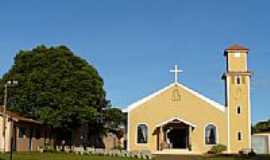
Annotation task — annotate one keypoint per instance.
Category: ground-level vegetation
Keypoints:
(57, 156)
(70, 156)
(212, 157)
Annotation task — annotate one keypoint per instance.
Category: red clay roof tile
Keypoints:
(236, 47)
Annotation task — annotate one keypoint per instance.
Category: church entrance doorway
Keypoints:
(178, 138)
(174, 134)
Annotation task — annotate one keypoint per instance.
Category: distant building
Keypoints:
(26, 134)
(30, 135)
(261, 143)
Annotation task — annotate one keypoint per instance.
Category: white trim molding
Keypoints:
(176, 118)
(147, 98)
(228, 113)
(128, 132)
(249, 114)
(200, 96)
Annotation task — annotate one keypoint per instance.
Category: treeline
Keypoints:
(263, 126)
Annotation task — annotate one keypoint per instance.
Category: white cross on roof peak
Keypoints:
(176, 72)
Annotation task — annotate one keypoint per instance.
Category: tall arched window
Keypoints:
(210, 134)
(142, 132)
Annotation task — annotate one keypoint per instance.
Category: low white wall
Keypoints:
(5, 140)
(261, 143)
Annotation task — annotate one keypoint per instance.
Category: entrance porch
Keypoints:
(174, 137)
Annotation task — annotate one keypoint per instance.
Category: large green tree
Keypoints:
(56, 87)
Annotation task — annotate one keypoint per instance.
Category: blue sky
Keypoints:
(133, 44)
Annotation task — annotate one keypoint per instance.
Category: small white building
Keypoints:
(261, 143)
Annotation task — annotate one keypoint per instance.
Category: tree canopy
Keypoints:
(263, 126)
(116, 121)
(56, 87)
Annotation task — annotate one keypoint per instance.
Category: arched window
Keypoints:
(238, 109)
(142, 132)
(210, 134)
(238, 80)
(239, 136)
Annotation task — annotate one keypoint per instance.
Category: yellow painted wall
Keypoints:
(237, 62)
(239, 122)
(239, 95)
(190, 108)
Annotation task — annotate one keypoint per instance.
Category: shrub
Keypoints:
(189, 147)
(217, 149)
(119, 147)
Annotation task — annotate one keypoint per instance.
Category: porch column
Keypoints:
(189, 135)
(161, 138)
(158, 139)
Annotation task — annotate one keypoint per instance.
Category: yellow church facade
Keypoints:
(177, 119)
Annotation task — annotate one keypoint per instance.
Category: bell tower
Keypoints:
(237, 83)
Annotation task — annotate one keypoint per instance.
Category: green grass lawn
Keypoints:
(63, 156)
(56, 156)
(236, 157)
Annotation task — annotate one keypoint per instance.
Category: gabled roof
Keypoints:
(147, 98)
(236, 47)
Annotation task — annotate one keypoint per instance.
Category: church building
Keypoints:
(177, 119)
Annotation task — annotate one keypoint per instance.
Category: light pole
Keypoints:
(9, 83)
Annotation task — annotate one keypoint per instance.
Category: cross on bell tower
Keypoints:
(176, 72)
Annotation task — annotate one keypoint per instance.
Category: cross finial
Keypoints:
(176, 71)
